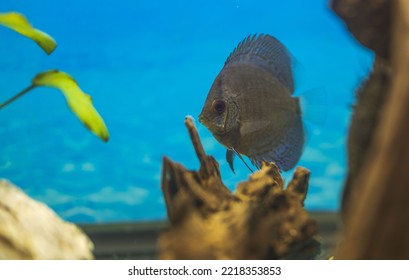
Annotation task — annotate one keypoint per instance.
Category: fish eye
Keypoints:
(219, 106)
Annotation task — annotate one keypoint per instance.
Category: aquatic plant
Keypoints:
(79, 102)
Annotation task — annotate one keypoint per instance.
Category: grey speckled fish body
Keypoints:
(250, 108)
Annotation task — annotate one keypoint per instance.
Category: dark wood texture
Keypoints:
(369, 21)
(377, 224)
(368, 112)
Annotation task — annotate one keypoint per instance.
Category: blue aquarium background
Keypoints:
(148, 64)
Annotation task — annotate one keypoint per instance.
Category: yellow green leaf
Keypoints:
(20, 24)
(79, 102)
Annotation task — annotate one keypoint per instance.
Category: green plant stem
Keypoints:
(16, 96)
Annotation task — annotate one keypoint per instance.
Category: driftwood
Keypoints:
(262, 220)
(370, 23)
(365, 119)
(31, 230)
(377, 224)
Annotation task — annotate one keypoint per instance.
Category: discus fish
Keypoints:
(250, 108)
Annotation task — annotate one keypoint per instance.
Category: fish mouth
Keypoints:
(214, 128)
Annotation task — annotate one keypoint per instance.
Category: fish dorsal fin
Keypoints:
(267, 52)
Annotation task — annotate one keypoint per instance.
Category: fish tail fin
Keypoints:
(299, 74)
(314, 106)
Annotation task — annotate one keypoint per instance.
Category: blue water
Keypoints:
(148, 64)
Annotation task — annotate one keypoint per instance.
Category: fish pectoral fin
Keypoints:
(250, 127)
(230, 159)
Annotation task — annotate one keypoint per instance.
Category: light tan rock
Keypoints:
(31, 230)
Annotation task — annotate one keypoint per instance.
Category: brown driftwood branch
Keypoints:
(370, 23)
(262, 220)
(377, 224)
(366, 116)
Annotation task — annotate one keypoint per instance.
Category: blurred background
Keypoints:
(148, 64)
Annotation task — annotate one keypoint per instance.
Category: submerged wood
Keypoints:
(377, 226)
(31, 230)
(262, 220)
(370, 23)
(367, 114)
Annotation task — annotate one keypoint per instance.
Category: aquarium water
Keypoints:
(148, 64)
